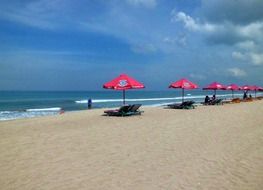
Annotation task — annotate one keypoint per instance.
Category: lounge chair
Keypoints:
(214, 102)
(218, 102)
(122, 111)
(175, 105)
(127, 110)
(184, 105)
(134, 109)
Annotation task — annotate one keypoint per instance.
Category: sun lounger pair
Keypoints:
(184, 105)
(214, 102)
(127, 110)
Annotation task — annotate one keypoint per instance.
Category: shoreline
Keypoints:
(197, 104)
(15, 105)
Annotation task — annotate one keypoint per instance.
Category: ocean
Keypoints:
(20, 104)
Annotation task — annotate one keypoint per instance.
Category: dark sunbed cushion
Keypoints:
(125, 111)
(121, 109)
(184, 105)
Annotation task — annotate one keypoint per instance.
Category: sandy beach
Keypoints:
(210, 147)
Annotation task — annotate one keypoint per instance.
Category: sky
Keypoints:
(80, 45)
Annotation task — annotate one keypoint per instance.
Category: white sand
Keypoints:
(208, 148)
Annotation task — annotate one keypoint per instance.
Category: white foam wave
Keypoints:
(11, 115)
(5, 112)
(56, 109)
(136, 99)
(99, 101)
(81, 101)
(189, 96)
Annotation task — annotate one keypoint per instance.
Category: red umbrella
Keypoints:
(257, 88)
(123, 82)
(260, 88)
(183, 84)
(215, 86)
(233, 87)
(247, 88)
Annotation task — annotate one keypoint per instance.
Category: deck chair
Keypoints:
(184, 105)
(218, 102)
(122, 111)
(175, 105)
(134, 109)
(189, 105)
(215, 102)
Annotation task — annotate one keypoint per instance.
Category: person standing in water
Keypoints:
(89, 103)
(245, 95)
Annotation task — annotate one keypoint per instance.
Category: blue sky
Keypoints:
(79, 45)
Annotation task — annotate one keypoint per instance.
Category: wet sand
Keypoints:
(210, 147)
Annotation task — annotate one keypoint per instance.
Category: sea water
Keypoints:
(18, 104)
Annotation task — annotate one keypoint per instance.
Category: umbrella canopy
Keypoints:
(257, 88)
(183, 84)
(123, 82)
(260, 88)
(232, 87)
(215, 86)
(247, 88)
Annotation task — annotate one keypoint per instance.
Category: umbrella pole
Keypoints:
(232, 93)
(123, 96)
(182, 95)
(255, 93)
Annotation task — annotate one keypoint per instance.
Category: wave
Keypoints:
(188, 96)
(136, 99)
(6, 112)
(44, 109)
(28, 113)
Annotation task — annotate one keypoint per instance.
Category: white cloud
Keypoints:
(252, 30)
(246, 45)
(146, 3)
(239, 56)
(251, 57)
(191, 24)
(247, 37)
(236, 11)
(188, 21)
(256, 58)
(224, 32)
(236, 72)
